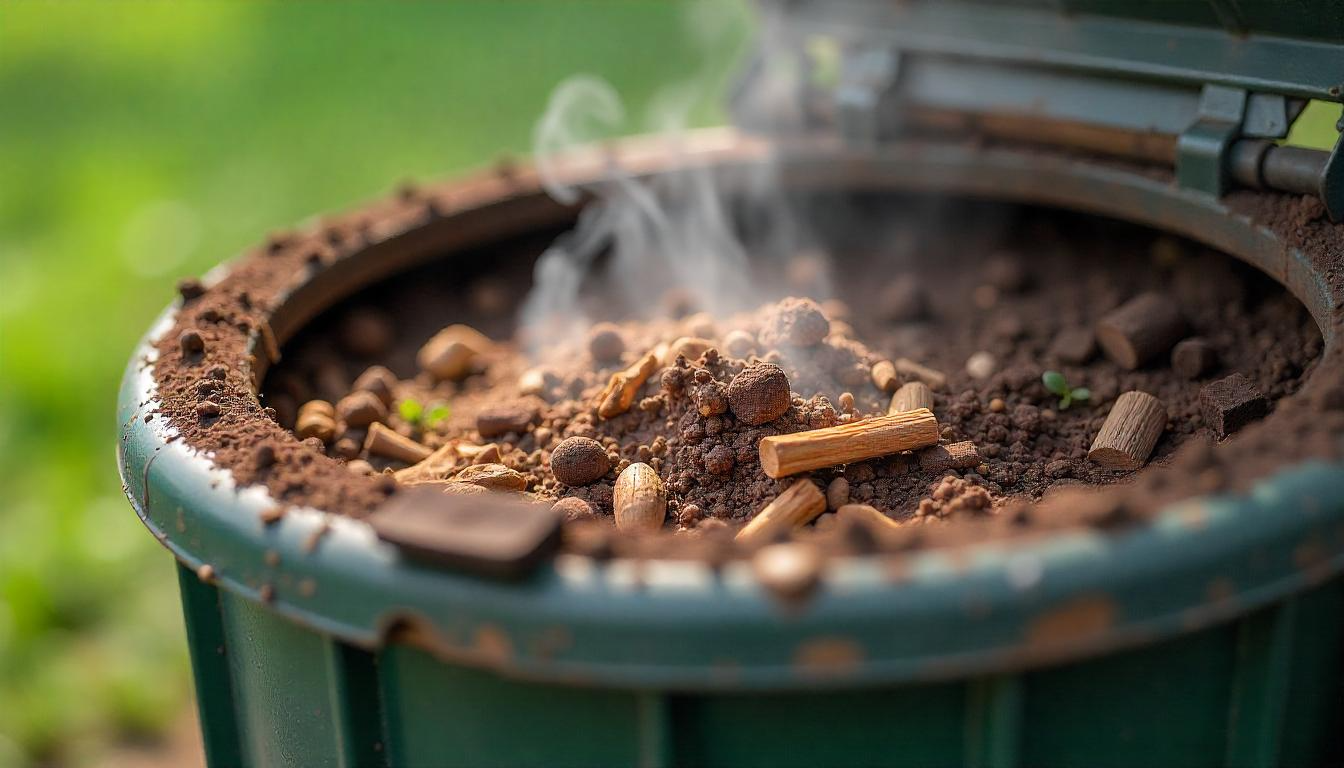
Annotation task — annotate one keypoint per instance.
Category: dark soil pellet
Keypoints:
(759, 394)
(191, 342)
(579, 461)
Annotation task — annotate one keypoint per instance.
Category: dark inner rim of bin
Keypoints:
(518, 206)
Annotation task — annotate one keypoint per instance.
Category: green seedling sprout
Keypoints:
(1056, 383)
(415, 414)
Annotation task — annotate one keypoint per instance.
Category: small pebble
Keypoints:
(503, 418)
(360, 409)
(380, 381)
(207, 409)
(837, 494)
(997, 405)
(605, 343)
(573, 508)
(980, 365)
(847, 402)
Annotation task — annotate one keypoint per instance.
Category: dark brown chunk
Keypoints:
(1074, 346)
(360, 409)
(501, 419)
(488, 533)
(1231, 403)
(759, 394)
(579, 461)
(1141, 330)
(1193, 358)
(795, 323)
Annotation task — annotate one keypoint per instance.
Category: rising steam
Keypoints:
(651, 236)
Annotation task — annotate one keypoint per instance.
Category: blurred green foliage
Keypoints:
(143, 141)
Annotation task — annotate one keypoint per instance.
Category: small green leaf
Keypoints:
(1081, 393)
(438, 412)
(1054, 381)
(410, 411)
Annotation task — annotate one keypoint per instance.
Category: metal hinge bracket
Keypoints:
(1201, 150)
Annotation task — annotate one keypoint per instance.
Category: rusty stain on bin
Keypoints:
(1080, 619)
(828, 656)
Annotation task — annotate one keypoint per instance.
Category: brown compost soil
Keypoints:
(1015, 288)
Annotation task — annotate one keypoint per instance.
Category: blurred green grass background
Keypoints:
(144, 141)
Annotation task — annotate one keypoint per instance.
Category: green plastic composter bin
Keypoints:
(1211, 636)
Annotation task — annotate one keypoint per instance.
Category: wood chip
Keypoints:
(1130, 431)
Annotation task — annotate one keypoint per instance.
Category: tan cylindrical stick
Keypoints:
(1130, 431)
(795, 507)
(911, 397)
(784, 455)
(639, 499)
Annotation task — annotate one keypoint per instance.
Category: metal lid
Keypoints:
(1180, 84)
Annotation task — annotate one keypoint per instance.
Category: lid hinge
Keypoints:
(1202, 149)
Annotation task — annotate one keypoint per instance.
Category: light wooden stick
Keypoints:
(909, 369)
(870, 515)
(795, 507)
(620, 391)
(784, 455)
(911, 397)
(1130, 431)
